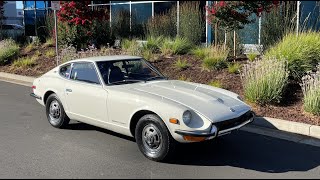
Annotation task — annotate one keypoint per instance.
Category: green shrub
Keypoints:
(278, 22)
(216, 57)
(191, 24)
(153, 43)
(37, 53)
(8, 50)
(126, 44)
(302, 52)
(121, 24)
(214, 63)
(147, 54)
(49, 43)
(252, 56)
(176, 46)
(50, 53)
(131, 47)
(200, 52)
(181, 64)
(181, 46)
(264, 81)
(166, 47)
(162, 24)
(234, 68)
(49, 25)
(25, 62)
(68, 35)
(311, 91)
(30, 47)
(101, 34)
(216, 83)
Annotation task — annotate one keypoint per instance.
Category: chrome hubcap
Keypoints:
(152, 138)
(54, 112)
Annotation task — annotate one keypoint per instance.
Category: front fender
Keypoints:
(167, 109)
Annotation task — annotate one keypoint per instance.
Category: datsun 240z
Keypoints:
(127, 95)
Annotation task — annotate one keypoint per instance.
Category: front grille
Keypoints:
(233, 122)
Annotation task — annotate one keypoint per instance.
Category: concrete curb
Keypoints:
(273, 124)
(18, 79)
(288, 126)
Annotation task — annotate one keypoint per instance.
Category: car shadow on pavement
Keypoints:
(240, 149)
(83, 126)
(250, 151)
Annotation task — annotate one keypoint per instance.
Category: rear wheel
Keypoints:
(55, 112)
(153, 138)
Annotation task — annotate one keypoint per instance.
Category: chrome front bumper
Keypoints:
(214, 130)
(227, 131)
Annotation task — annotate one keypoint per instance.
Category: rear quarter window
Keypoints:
(65, 71)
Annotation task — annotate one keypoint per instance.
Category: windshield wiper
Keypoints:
(156, 77)
(126, 80)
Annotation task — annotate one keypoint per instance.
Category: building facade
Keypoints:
(34, 12)
(10, 13)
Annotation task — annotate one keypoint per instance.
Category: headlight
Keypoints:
(187, 117)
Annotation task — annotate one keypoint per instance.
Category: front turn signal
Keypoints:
(174, 121)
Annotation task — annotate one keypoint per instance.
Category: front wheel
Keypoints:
(153, 138)
(55, 112)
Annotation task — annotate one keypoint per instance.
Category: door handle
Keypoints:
(69, 90)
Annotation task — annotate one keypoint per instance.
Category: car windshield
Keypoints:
(128, 71)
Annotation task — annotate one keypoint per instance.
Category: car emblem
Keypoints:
(232, 110)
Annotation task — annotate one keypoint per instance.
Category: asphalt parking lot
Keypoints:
(31, 148)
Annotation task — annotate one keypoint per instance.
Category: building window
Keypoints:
(40, 4)
(34, 17)
(142, 12)
(163, 7)
(29, 4)
(29, 21)
(250, 33)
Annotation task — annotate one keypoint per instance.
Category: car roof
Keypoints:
(106, 58)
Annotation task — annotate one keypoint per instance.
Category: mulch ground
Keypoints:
(291, 108)
(43, 64)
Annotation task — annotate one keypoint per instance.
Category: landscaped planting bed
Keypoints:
(291, 107)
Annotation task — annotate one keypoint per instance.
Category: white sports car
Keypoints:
(127, 95)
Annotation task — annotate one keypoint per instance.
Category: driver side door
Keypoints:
(86, 98)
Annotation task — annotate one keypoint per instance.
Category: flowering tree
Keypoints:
(81, 19)
(231, 15)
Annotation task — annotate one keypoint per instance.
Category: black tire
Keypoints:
(59, 119)
(161, 152)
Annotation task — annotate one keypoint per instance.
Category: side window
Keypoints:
(84, 72)
(65, 71)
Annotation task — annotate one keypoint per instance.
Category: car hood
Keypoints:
(216, 104)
